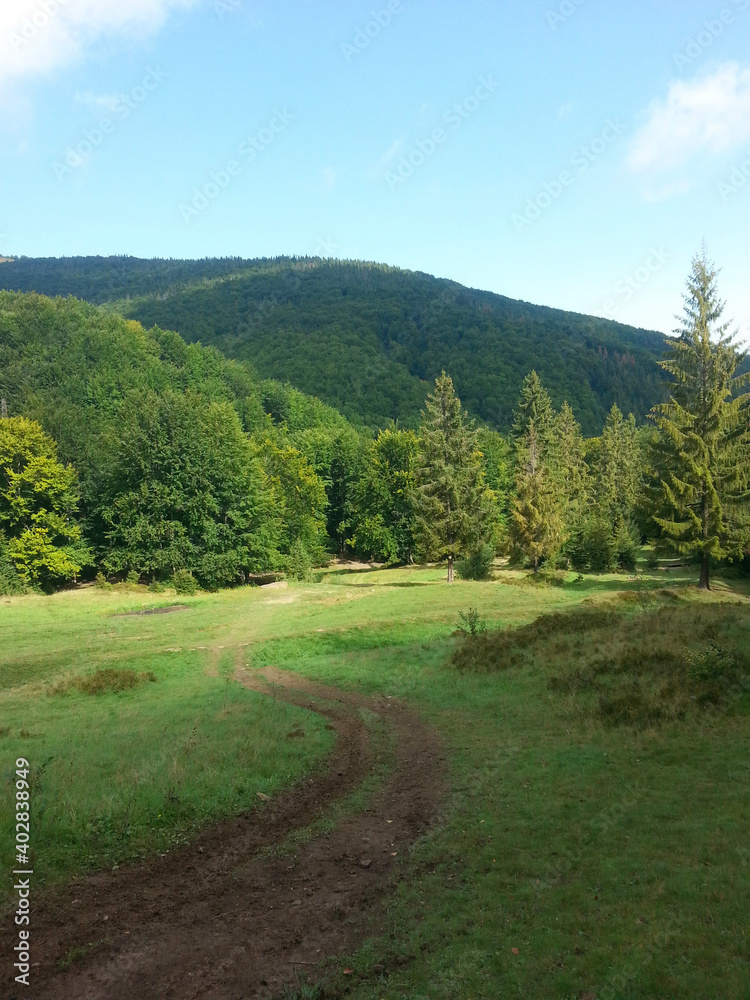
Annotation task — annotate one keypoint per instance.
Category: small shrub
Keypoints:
(156, 587)
(652, 559)
(133, 578)
(101, 582)
(471, 622)
(477, 565)
(184, 582)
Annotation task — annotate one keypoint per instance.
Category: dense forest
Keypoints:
(370, 339)
(131, 454)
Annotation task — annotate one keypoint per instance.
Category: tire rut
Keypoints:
(224, 919)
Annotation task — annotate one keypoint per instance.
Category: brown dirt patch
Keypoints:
(223, 919)
(151, 611)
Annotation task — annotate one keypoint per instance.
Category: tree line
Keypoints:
(370, 339)
(138, 456)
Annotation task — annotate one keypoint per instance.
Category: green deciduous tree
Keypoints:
(453, 502)
(700, 496)
(383, 503)
(186, 490)
(38, 505)
(300, 501)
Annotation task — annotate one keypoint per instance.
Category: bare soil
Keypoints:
(227, 917)
(168, 610)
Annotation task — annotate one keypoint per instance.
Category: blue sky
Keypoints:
(573, 153)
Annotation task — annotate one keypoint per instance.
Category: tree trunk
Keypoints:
(450, 569)
(704, 583)
(536, 564)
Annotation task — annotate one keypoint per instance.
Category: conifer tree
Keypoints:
(567, 461)
(701, 492)
(536, 528)
(617, 470)
(453, 502)
(534, 410)
(536, 525)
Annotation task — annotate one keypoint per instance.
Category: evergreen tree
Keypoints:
(453, 502)
(534, 409)
(536, 528)
(567, 462)
(618, 467)
(700, 497)
(536, 525)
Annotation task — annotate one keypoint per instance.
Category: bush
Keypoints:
(10, 582)
(133, 578)
(299, 563)
(105, 681)
(101, 582)
(156, 587)
(184, 582)
(477, 565)
(471, 622)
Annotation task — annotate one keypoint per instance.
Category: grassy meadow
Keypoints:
(594, 842)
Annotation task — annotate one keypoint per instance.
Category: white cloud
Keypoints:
(705, 117)
(39, 36)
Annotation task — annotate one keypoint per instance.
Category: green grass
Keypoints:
(120, 774)
(611, 852)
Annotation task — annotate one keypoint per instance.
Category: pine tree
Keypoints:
(536, 525)
(567, 461)
(700, 497)
(453, 503)
(536, 528)
(534, 410)
(618, 466)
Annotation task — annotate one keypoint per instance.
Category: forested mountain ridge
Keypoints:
(368, 339)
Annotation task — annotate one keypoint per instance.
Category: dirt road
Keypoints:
(226, 917)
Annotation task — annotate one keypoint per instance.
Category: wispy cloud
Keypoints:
(699, 119)
(39, 36)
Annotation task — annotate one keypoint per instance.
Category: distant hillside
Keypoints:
(69, 365)
(369, 339)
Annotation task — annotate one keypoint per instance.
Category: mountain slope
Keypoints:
(369, 339)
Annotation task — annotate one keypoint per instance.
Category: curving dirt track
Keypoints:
(223, 919)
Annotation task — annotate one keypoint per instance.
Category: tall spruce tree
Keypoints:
(536, 527)
(534, 409)
(700, 497)
(453, 502)
(567, 461)
(536, 523)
